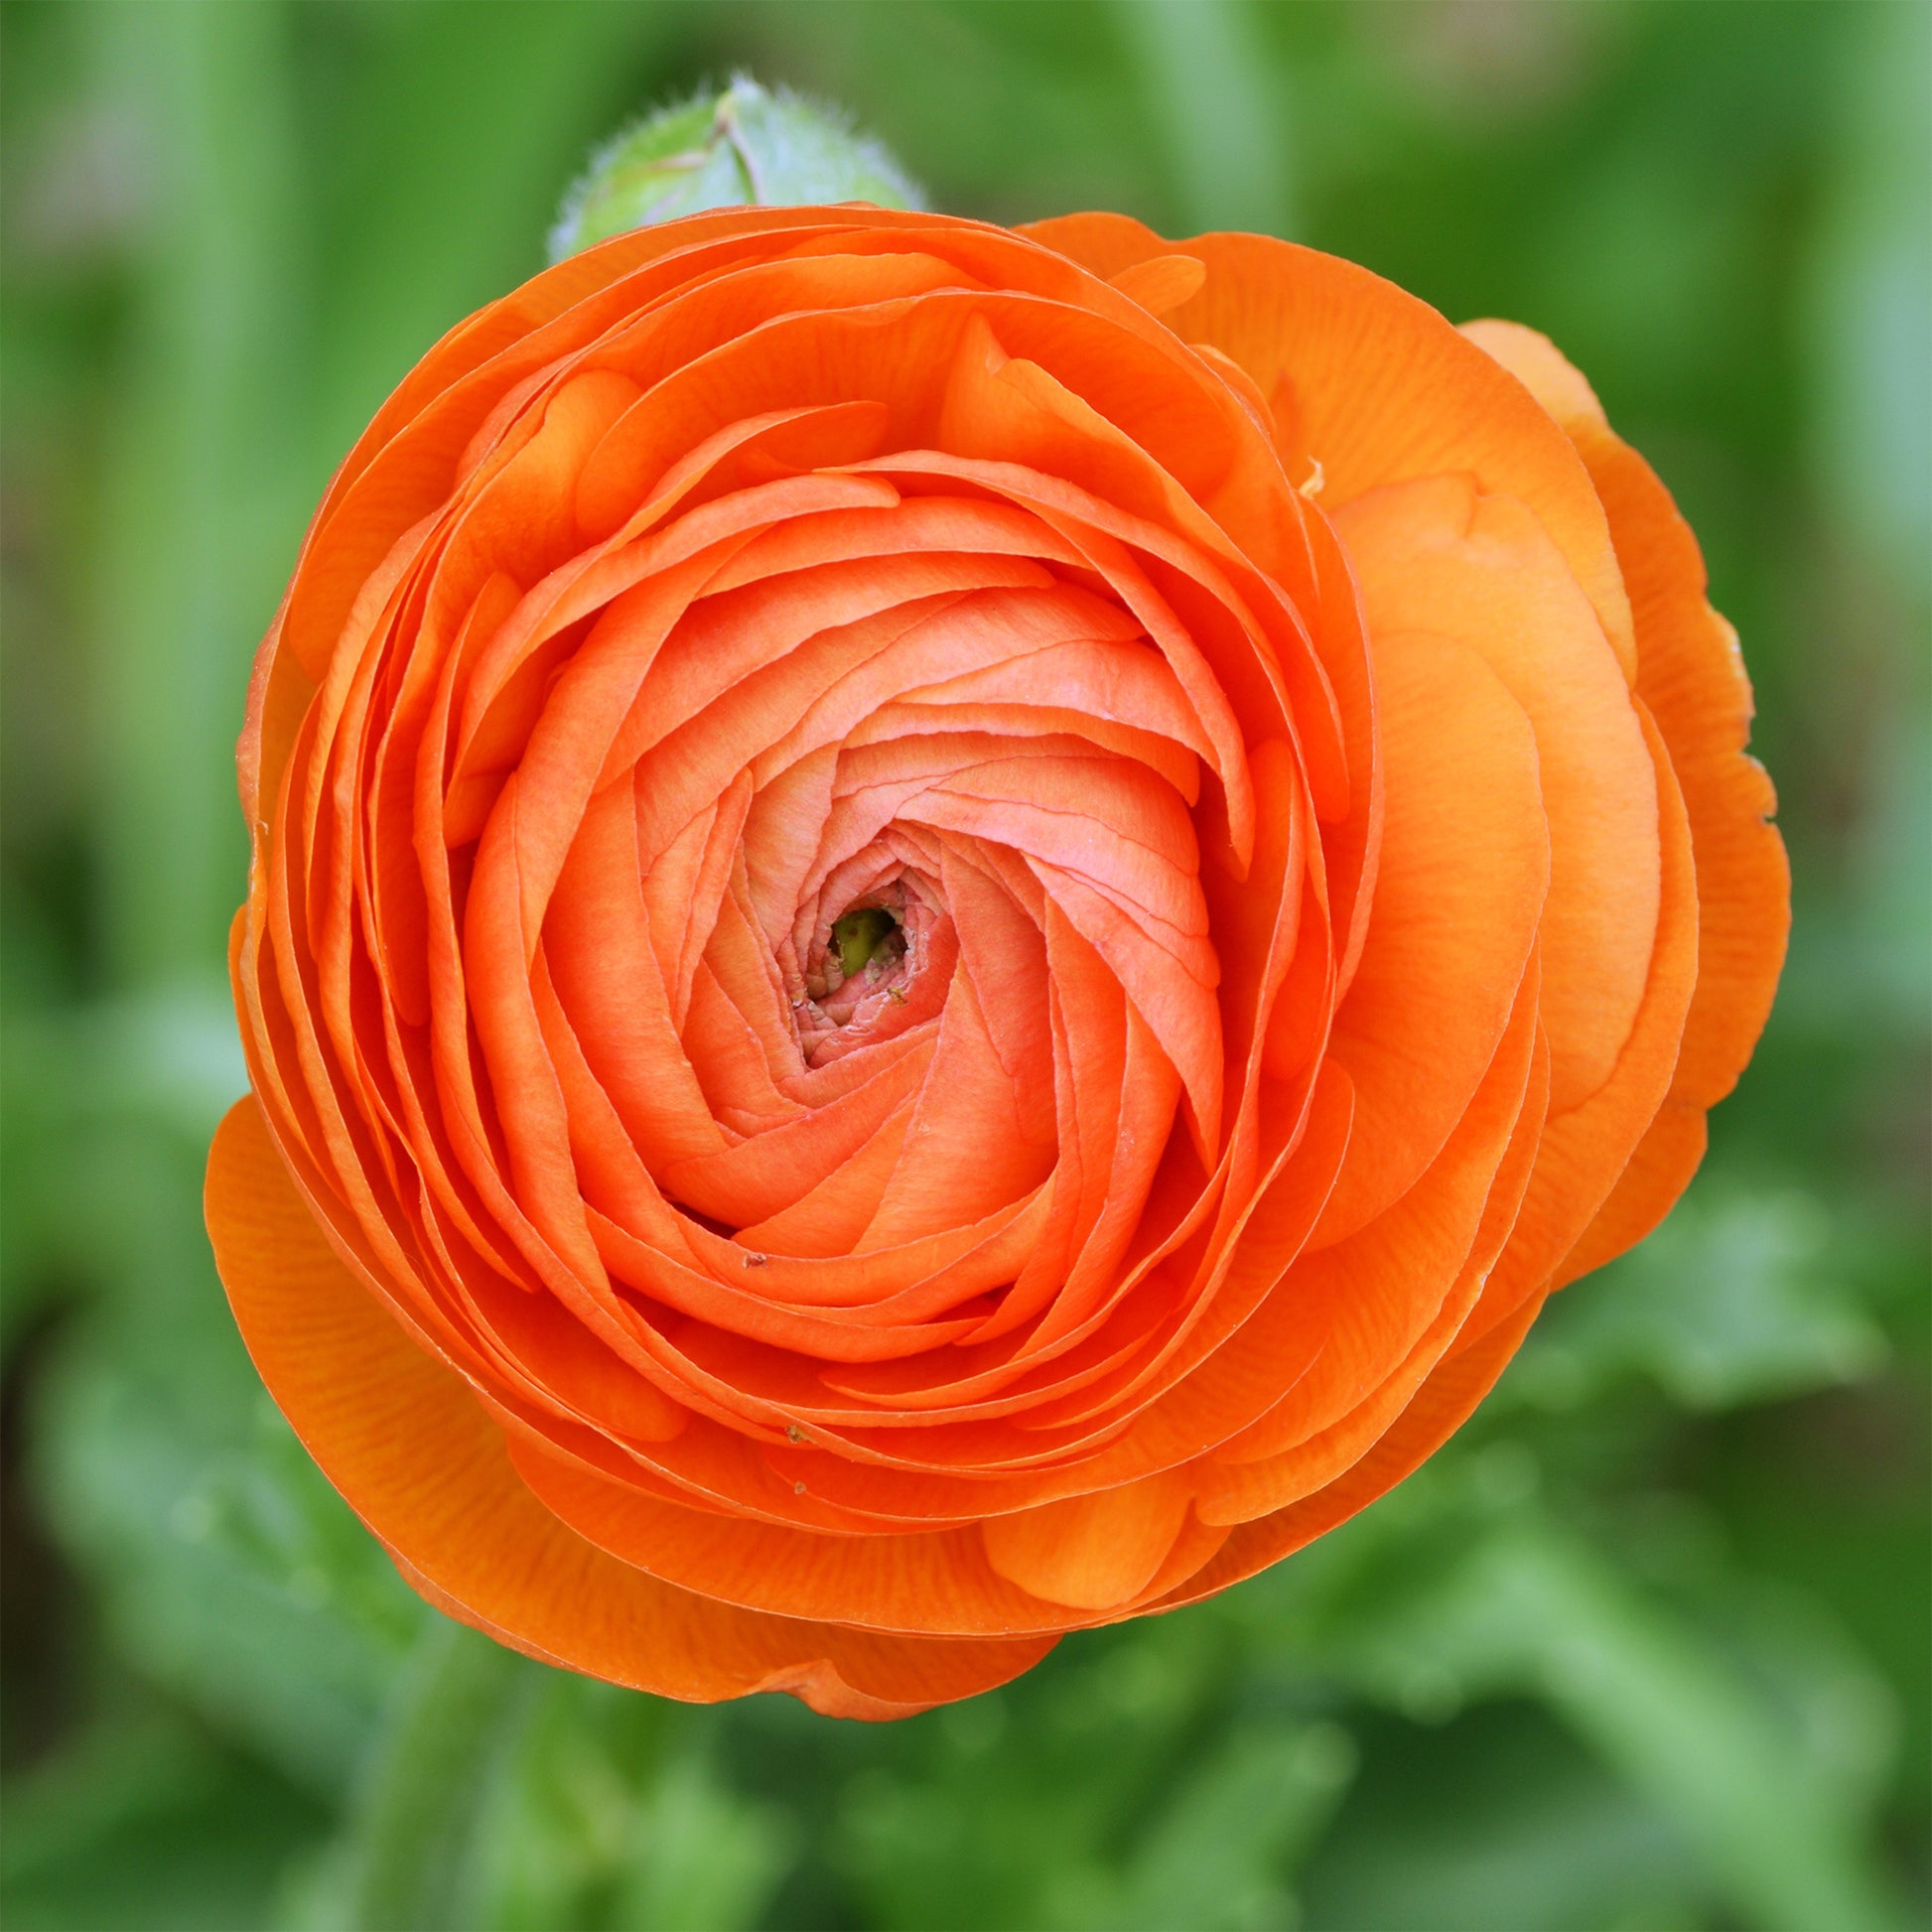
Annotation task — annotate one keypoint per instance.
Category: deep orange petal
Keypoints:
(401, 1436)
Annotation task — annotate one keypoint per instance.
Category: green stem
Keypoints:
(414, 1831)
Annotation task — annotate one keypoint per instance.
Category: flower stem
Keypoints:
(461, 1704)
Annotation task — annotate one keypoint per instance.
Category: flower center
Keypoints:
(865, 967)
(867, 936)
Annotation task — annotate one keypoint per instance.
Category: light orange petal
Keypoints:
(1692, 677)
(1435, 556)
(1371, 383)
(1588, 1148)
(1091, 1552)
(1465, 868)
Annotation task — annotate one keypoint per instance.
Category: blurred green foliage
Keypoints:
(1646, 1647)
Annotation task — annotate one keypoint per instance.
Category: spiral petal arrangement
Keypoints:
(950, 928)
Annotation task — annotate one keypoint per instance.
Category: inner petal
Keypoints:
(864, 960)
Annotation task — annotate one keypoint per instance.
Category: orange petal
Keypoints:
(1090, 1552)
(1441, 1406)
(1106, 244)
(1161, 283)
(404, 1441)
(1392, 1297)
(1371, 383)
(1588, 1148)
(1692, 677)
(1463, 873)
(1433, 556)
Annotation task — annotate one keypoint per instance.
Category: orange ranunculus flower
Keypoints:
(950, 928)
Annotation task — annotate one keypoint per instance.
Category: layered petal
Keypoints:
(949, 928)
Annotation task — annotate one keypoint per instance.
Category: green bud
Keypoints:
(724, 150)
(863, 936)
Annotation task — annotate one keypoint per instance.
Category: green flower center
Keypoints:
(870, 933)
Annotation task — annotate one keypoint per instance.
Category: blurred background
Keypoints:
(1645, 1648)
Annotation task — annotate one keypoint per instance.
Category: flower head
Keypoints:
(951, 927)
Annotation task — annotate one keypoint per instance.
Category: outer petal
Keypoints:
(1441, 1406)
(1369, 385)
(1586, 1150)
(1465, 867)
(1690, 676)
(400, 1435)
(1433, 556)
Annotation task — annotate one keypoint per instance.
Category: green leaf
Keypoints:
(1499, 1821)
(1532, 1609)
(1735, 1299)
(143, 1823)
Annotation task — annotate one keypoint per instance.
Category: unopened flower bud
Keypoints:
(721, 150)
